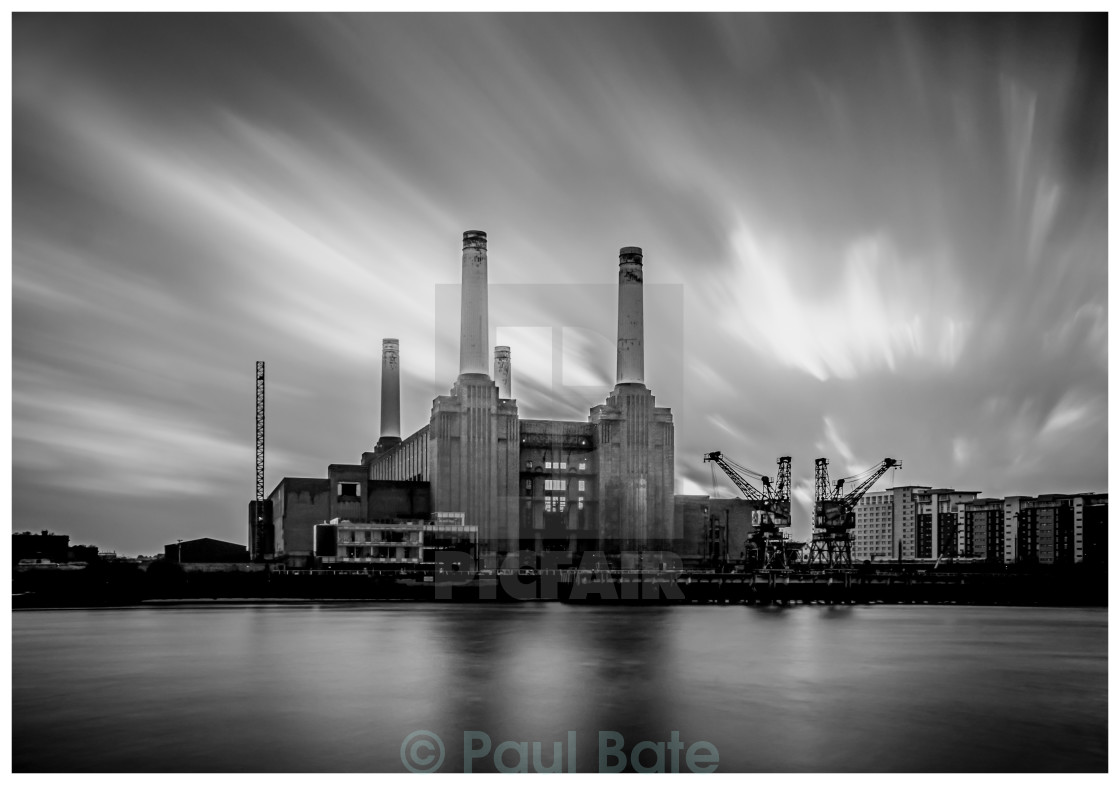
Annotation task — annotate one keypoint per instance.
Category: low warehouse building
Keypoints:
(205, 551)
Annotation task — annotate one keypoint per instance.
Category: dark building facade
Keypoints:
(1091, 525)
(1046, 530)
(715, 533)
(983, 530)
(300, 503)
(43, 545)
(205, 551)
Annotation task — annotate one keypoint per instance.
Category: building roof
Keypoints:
(306, 483)
(205, 539)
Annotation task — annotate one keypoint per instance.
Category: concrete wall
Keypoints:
(348, 489)
(298, 503)
(690, 516)
(737, 517)
(704, 521)
(405, 461)
(387, 500)
(223, 567)
(636, 472)
(473, 456)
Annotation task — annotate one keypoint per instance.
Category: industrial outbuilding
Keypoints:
(205, 551)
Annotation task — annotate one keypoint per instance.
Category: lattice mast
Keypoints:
(785, 479)
(260, 431)
(260, 518)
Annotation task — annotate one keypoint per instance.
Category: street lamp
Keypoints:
(180, 551)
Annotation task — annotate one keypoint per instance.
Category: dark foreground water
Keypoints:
(339, 688)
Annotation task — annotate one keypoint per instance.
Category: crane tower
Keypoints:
(834, 513)
(774, 501)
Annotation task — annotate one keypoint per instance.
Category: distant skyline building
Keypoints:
(875, 532)
(923, 523)
(935, 521)
(980, 532)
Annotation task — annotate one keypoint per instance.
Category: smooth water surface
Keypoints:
(339, 687)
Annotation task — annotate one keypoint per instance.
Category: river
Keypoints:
(340, 687)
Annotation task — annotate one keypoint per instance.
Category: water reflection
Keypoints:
(338, 687)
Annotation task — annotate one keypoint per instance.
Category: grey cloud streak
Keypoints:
(192, 193)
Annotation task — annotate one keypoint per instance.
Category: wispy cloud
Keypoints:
(880, 250)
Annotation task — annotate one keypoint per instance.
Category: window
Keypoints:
(583, 466)
(555, 504)
(348, 489)
(556, 485)
(529, 485)
(582, 485)
(579, 503)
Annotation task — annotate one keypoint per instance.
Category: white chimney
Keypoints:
(390, 388)
(474, 338)
(502, 371)
(631, 357)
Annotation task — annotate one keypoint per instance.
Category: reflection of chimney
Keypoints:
(390, 388)
(502, 371)
(474, 338)
(631, 359)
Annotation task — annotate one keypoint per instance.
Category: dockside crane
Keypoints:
(835, 515)
(774, 505)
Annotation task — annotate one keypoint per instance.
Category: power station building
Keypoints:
(568, 487)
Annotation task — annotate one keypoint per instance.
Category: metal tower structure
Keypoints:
(834, 513)
(260, 512)
(260, 431)
(785, 479)
(774, 501)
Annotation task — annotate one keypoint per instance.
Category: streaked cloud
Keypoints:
(888, 236)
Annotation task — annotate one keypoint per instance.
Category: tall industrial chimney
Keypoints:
(390, 388)
(631, 357)
(474, 337)
(502, 371)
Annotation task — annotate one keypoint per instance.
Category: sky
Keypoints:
(865, 237)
